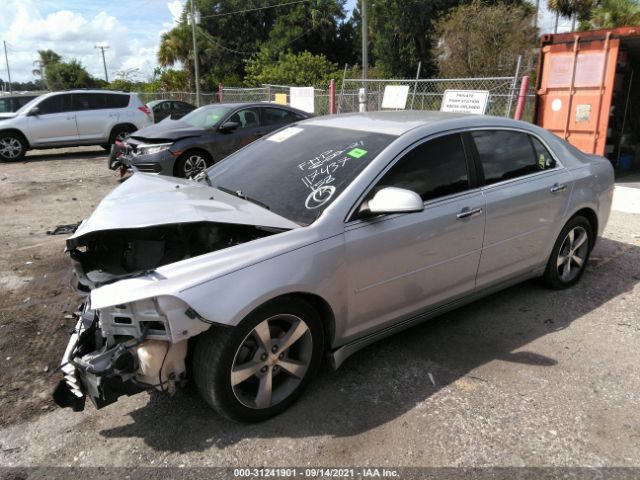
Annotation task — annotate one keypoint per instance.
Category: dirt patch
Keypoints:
(37, 194)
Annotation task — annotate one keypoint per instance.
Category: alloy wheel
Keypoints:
(271, 361)
(572, 254)
(193, 165)
(10, 147)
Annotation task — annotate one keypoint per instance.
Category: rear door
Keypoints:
(404, 263)
(91, 116)
(526, 192)
(55, 123)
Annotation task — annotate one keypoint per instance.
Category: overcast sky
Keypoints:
(131, 28)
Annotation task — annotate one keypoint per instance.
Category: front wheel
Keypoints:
(191, 164)
(570, 254)
(12, 147)
(257, 369)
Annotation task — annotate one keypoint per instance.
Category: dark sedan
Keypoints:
(169, 109)
(186, 147)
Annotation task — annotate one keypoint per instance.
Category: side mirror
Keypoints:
(394, 200)
(228, 126)
(35, 111)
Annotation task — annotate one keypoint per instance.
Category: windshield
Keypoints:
(206, 117)
(300, 170)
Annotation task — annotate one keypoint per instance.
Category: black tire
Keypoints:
(556, 275)
(13, 147)
(191, 163)
(216, 352)
(119, 131)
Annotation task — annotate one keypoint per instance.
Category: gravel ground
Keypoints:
(526, 377)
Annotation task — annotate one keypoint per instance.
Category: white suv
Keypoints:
(70, 119)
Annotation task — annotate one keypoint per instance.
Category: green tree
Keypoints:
(575, 9)
(478, 40)
(304, 69)
(401, 33)
(45, 58)
(616, 13)
(63, 75)
(231, 31)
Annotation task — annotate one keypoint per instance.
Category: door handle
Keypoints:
(557, 187)
(71, 118)
(467, 212)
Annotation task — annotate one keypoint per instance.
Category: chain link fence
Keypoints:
(423, 94)
(428, 94)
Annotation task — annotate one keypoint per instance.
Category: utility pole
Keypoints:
(104, 63)
(6, 57)
(365, 49)
(195, 17)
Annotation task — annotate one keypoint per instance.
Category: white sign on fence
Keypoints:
(395, 96)
(465, 101)
(302, 98)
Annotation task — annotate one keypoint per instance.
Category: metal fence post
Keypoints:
(522, 97)
(415, 85)
(344, 77)
(332, 96)
(513, 87)
(269, 93)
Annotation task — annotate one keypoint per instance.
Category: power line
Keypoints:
(210, 37)
(254, 9)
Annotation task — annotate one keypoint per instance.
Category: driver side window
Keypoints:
(433, 169)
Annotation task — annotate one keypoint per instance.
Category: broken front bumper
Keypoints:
(104, 361)
(92, 371)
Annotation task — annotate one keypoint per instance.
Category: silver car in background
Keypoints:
(69, 119)
(315, 241)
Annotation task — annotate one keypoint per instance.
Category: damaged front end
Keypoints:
(134, 258)
(125, 349)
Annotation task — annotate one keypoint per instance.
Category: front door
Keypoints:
(55, 122)
(402, 264)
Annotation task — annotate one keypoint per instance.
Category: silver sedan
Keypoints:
(313, 242)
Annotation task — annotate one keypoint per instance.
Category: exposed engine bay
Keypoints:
(103, 257)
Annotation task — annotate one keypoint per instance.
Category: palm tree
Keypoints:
(47, 57)
(616, 13)
(574, 9)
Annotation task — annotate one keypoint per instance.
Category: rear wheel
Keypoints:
(257, 369)
(13, 147)
(119, 133)
(570, 254)
(191, 163)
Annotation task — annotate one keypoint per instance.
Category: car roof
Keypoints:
(256, 104)
(399, 122)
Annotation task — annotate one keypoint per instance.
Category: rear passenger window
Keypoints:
(117, 100)
(277, 116)
(88, 101)
(505, 154)
(545, 160)
(433, 169)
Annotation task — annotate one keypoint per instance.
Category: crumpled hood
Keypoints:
(145, 200)
(169, 130)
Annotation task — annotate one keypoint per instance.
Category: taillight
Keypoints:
(145, 109)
